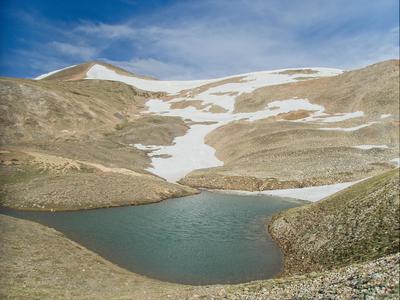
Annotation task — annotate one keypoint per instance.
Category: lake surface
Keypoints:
(201, 239)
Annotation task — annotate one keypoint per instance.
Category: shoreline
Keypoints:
(144, 287)
(113, 264)
(3, 212)
(306, 195)
(102, 279)
(95, 208)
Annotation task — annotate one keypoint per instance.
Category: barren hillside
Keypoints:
(259, 131)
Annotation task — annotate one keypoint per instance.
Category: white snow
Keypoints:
(313, 194)
(249, 83)
(384, 116)
(52, 72)
(222, 94)
(173, 87)
(348, 128)
(396, 161)
(325, 118)
(272, 109)
(189, 151)
(145, 147)
(368, 147)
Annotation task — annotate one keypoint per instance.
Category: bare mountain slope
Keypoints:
(87, 125)
(373, 90)
(356, 136)
(79, 72)
(69, 270)
(258, 131)
(358, 224)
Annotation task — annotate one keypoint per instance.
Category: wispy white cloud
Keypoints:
(82, 52)
(106, 30)
(202, 39)
(155, 68)
(200, 50)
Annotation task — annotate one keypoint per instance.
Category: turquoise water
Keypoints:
(201, 239)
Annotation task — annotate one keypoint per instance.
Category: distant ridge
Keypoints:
(78, 72)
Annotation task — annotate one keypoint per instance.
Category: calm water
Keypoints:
(201, 239)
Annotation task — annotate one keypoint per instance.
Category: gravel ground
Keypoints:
(378, 279)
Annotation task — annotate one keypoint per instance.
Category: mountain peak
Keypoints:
(78, 72)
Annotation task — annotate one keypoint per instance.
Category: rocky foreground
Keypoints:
(377, 279)
(66, 270)
(358, 224)
(68, 143)
(357, 259)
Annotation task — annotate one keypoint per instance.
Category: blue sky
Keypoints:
(196, 39)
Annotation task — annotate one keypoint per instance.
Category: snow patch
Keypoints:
(52, 72)
(368, 147)
(313, 193)
(325, 118)
(348, 128)
(249, 83)
(145, 147)
(384, 116)
(396, 161)
(189, 152)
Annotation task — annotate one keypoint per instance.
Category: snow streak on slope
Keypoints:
(396, 161)
(320, 116)
(217, 97)
(248, 83)
(312, 193)
(347, 129)
(190, 152)
(369, 147)
(52, 72)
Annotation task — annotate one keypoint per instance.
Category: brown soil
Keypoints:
(357, 224)
(373, 90)
(38, 181)
(266, 154)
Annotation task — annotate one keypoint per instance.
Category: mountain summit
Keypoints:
(78, 72)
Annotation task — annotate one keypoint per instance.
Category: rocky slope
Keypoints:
(63, 145)
(343, 247)
(78, 72)
(295, 149)
(259, 131)
(67, 270)
(38, 181)
(358, 224)
(376, 279)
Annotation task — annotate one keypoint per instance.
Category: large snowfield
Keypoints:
(190, 152)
